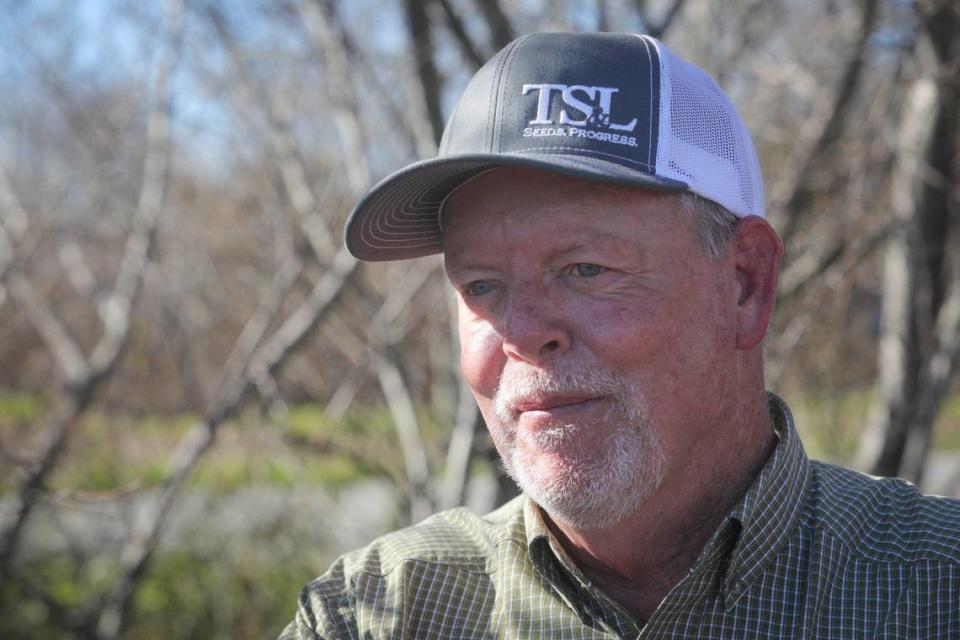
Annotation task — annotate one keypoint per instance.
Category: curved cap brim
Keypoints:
(399, 218)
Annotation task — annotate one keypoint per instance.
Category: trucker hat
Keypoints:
(616, 108)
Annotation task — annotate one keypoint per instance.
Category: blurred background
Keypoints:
(204, 400)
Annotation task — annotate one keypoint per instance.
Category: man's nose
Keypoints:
(533, 330)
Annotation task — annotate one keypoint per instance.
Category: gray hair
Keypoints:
(715, 225)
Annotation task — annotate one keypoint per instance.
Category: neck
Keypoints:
(637, 561)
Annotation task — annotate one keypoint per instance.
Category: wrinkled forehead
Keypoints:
(523, 212)
(534, 191)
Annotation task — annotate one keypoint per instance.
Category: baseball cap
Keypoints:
(616, 108)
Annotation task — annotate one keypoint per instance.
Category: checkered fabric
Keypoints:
(811, 551)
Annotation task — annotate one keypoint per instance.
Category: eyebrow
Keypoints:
(567, 249)
(462, 270)
(612, 241)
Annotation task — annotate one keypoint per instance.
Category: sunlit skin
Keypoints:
(554, 271)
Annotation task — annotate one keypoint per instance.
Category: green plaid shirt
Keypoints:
(811, 551)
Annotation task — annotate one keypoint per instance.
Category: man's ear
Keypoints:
(757, 253)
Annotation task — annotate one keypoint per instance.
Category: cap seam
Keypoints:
(664, 121)
(650, 150)
(498, 91)
(498, 125)
(492, 106)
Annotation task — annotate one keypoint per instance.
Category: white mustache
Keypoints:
(533, 383)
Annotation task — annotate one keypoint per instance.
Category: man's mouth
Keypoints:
(553, 403)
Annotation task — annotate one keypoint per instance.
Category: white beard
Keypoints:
(587, 489)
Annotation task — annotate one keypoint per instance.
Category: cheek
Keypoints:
(622, 335)
(481, 359)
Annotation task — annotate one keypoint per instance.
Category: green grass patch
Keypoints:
(240, 594)
(331, 471)
(946, 433)
(223, 475)
(189, 597)
(110, 453)
(308, 420)
(21, 408)
(156, 425)
(830, 422)
(117, 453)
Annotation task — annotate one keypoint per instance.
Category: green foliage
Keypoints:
(332, 471)
(23, 617)
(308, 419)
(115, 453)
(946, 433)
(830, 421)
(248, 589)
(65, 583)
(184, 595)
(20, 408)
(224, 475)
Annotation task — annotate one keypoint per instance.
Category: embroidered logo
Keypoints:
(585, 113)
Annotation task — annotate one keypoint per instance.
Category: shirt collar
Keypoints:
(755, 529)
(770, 510)
(561, 573)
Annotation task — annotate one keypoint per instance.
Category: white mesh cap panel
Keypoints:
(703, 141)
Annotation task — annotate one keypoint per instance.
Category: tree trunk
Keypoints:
(917, 353)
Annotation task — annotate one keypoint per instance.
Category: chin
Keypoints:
(592, 493)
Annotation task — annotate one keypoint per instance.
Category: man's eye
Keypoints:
(477, 288)
(587, 270)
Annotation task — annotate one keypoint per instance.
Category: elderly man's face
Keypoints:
(594, 334)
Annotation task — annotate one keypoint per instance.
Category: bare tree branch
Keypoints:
(658, 29)
(397, 394)
(64, 349)
(330, 45)
(374, 460)
(415, 129)
(142, 543)
(115, 309)
(421, 40)
(82, 375)
(936, 376)
(467, 45)
(601, 11)
(497, 22)
(912, 363)
(78, 270)
(31, 490)
(466, 425)
(12, 214)
(299, 324)
(831, 129)
(346, 393)
(385, 332)
(292, 170)
(818, 264)
(661, 28)
(256, 326)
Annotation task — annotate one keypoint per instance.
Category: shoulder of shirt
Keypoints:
(884, 519)
(458, 537)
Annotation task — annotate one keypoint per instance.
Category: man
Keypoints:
(599, 207)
